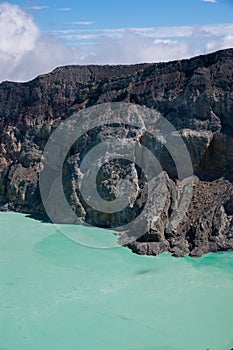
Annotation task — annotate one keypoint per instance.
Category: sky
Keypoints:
(37, 36)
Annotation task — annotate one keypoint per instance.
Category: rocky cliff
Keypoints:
(195, 96)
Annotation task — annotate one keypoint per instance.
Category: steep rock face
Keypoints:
(194, 95)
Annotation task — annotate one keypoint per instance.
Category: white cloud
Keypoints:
(83, 23)
(212, 1)
(18, 31)
(133, 48)
(134, 45)
(38, 7)
(225, 42)
(24, 51)
(147, 32)
(48, 54)
(64, 9)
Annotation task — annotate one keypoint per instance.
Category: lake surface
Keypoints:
(57, 294)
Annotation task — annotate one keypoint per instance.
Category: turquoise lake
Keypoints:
(57, 294)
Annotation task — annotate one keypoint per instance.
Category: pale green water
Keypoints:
(56, 294)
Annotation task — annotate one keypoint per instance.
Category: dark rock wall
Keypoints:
(195, 95)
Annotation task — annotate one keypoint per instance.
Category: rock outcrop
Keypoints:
(195, 95)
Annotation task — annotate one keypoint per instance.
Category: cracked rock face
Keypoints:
(195, 95)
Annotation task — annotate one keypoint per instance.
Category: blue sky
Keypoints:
(62, 32)
(128, 13)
